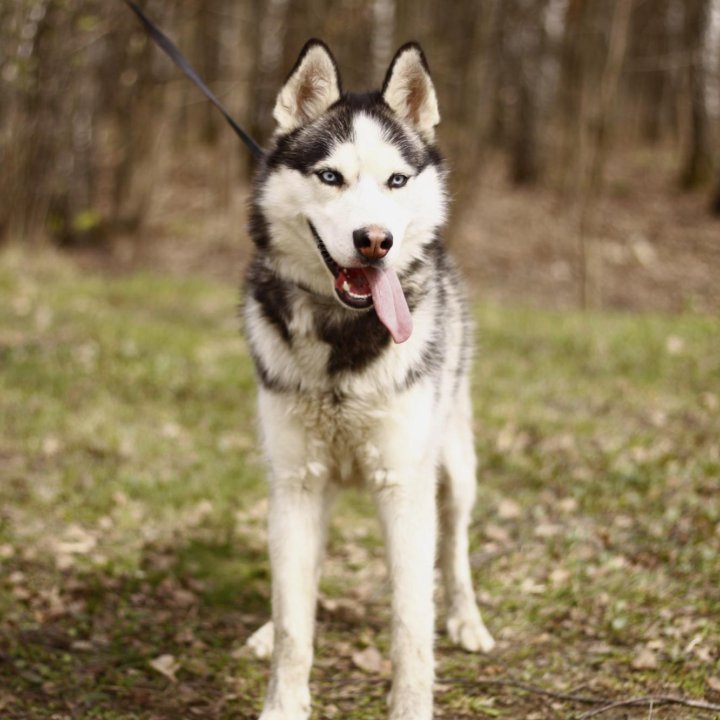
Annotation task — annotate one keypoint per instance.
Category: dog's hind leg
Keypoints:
(261, 641)
(457, 497)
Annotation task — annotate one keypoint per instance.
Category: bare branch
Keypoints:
(652, 701)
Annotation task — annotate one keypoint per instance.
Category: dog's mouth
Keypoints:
(361, 287)
(351, 284)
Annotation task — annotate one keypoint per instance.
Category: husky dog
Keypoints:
(357, 324)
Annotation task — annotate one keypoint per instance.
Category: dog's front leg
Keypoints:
(297, 511)
(294, 537)
(407, 514)
(404, 483)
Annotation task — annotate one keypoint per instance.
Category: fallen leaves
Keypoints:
(674, 345)
(645, 659)
(509, 510)
(371, 661)
(166, 665)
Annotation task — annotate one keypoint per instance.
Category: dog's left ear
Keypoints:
(311, 88)
(410, 92)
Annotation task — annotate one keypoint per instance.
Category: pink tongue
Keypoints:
(389, 301)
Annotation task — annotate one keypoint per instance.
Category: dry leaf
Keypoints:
(509, 510)
(568, 505)
(674, 345)
(559, 576)
(496, 533)
(166, 665)
(644, 251)
(645, 660)
(529, 587)
(76, 541)
(6, 699)
(183, 597)
(546, 530)
(368, 660)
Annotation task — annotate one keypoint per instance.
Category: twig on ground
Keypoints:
(534, 689)
(607, 704)
(652, 701)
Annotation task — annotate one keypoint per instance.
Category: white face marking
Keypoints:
(366, 164)
(411, 213)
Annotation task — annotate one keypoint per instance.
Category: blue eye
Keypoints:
(397, 180)
(330, 177)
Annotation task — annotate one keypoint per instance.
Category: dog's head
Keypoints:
(353, 189)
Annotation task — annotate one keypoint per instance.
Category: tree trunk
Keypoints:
(697, 162)
(594, 156)
(207, 44)
(650, 48)
(526, 49)
(715, 200)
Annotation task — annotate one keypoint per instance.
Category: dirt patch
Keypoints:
(649, 247)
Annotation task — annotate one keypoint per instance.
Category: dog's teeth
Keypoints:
(346, 287)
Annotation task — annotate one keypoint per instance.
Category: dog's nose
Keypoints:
(373, 242)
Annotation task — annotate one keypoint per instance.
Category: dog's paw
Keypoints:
(412, 714)
(275, 714)
(290, 703)
(261, 644)
(411, 709)
(467, 630)
(283, 715)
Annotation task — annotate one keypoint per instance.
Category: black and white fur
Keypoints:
(339, 401)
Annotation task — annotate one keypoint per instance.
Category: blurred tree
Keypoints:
(458, 40)
(715, 199)
(284, 27)
(650, 84)
(697, 162)
(208, 16)
(572, 67)
(270, 19)
(525, 53)
(595, 122)
(91, 115)
(128, 79)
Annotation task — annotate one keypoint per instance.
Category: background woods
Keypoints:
(96, 127)
(583, 139)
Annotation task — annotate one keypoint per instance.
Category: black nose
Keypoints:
(373, 242)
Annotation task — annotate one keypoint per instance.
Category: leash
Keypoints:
(167, 46)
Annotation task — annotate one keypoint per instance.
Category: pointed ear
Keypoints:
(409, 91)
(311, 88)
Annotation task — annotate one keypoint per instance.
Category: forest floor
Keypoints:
(132, 543)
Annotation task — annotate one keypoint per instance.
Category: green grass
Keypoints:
(132, 511)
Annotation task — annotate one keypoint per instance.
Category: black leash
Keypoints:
(174, 54)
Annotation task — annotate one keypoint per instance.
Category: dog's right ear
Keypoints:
(311, 88)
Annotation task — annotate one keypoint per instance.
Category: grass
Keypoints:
(131, 510)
